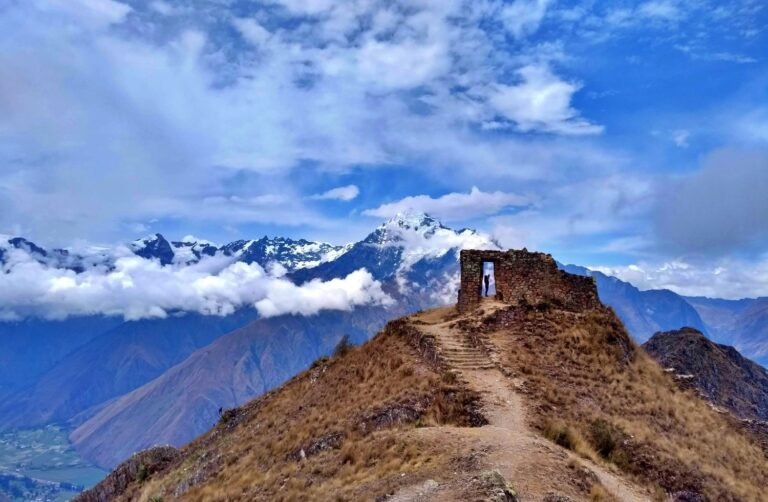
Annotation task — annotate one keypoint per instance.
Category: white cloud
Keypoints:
(403, 65)
(163, 7)
(252, 31)
(580, 212)
(540, 102)
(358, 288)
(726, 278)
(697, 51)
(523, 17)
(660, 9)
(345, 193)
(306, 7)
(453, 206)
(136, 288)
(94, 13)
(680, 137)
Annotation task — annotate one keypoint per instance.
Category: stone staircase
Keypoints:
(459, 352)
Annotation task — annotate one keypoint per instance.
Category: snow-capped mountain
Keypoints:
(18, 248)
(291, 254)
(393, 248)
(412, 252)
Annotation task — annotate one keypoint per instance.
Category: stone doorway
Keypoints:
(489, 269)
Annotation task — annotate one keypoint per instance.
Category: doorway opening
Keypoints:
(489, 274)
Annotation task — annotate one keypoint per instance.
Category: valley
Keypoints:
(41, 463)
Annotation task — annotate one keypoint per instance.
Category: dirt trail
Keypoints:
(535, 466)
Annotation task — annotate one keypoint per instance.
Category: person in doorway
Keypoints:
(487, 279)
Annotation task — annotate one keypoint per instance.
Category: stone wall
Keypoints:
(524, 276)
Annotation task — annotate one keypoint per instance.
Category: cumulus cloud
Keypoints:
(540, 101)
(135, 288)
(453, 206)
(345, 193)
(720, 208)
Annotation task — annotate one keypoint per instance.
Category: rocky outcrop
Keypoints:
(138, 468)
(722, 375)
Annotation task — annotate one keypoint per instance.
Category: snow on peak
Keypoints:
(412, 220)
(422, 234)
(147, 240)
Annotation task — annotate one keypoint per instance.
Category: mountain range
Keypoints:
(105, 377)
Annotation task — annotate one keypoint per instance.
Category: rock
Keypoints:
(556, 497)
(136, 469)
(498, 488)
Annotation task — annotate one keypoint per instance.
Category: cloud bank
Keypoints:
(135, 288)
(723, 278)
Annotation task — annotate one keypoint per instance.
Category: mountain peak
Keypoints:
(412, 220)
(154, 246)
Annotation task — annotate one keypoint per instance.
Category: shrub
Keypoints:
(450, 378)
(561, 435)
(143, 473)
(605, 437)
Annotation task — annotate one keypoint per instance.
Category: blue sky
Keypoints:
(631, 136)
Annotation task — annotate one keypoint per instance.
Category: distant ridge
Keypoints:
(722, 375)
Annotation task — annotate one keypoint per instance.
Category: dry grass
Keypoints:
(350, 414)
(597, 393)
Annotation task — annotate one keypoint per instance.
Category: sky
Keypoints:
(627, 136)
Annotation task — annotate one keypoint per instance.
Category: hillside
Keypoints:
(111, 364)
(547, 399)
(719, 372)
(183, 402)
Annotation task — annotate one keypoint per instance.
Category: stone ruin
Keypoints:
(522, 276)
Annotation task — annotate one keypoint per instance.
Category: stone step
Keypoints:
(446, 353)
(461, 357)
(474, 366)
(458, 346)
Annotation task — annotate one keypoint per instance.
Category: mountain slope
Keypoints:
(183, 402)
(446, 406)
(30, 347)
(112, 364)
(719, 372)
(642, 312)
